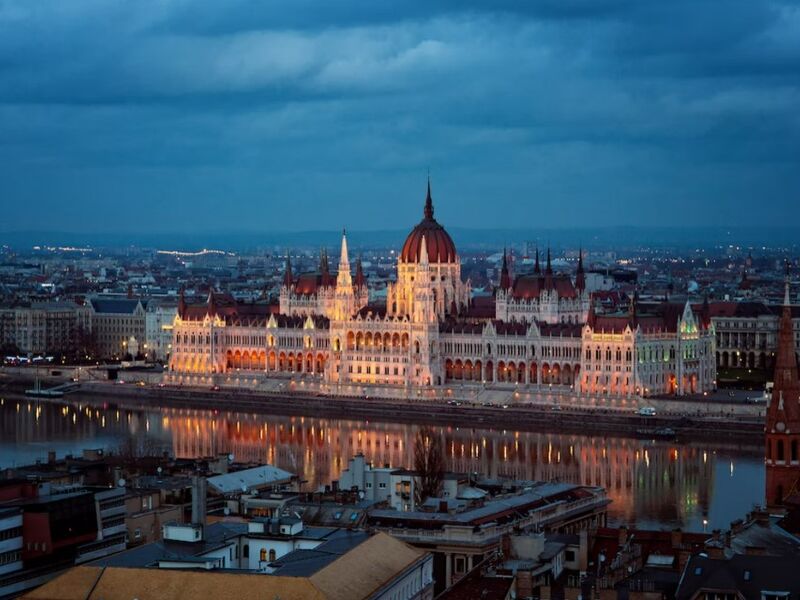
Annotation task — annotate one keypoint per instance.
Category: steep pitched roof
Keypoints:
(365, 569)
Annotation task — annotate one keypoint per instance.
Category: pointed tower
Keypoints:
(536, 268)
(548, 272)
(181, 303)
(344, 302)
(212, 306)
(288, 280)
(505, 276)
(360, 280)
(343, 277)
(783, 418)
(705, 312)
(580, 276)
(423, 305)
(633, 307)
(591, 317)
(428, 211)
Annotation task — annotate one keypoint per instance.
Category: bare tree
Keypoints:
(429, 464)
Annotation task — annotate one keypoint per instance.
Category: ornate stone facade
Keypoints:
(544, 332)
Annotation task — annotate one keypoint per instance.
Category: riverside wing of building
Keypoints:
(536, 330)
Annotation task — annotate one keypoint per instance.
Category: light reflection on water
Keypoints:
(652, 484)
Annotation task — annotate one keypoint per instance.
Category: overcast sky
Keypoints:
(236, 115)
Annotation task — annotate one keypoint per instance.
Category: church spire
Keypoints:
(580, 277)
(536, 268)
(428, 212)
(783, 416)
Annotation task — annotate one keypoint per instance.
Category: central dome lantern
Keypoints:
(440, 246)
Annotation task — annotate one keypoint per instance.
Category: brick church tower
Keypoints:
(783, 418)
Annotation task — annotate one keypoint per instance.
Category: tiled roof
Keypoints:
(362, 571)
(531, 286)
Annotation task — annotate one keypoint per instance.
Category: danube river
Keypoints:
(652, 483)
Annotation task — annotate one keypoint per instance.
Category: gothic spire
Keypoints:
(423, 252)
(548, 272)
(505, 277)
(360, 279)
(212, 307)
(549, 269)
(181, 303)
(428, 212)
(786, 387)
(343, 277)
(786, 295)
(536, 268)
(580, 277)
(287, 274)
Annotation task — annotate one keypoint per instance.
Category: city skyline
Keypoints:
(193, 118)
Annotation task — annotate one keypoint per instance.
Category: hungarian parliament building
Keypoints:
(539, 330)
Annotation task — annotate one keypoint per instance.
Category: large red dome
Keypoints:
(440, 246)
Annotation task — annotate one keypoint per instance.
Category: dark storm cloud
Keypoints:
(216, 115)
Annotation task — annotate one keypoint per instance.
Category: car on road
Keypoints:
(647, 411)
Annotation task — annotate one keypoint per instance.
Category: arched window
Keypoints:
(780, 455)
(272, 555)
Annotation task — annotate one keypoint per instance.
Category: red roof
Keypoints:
(229, 309)
(531, 286)
(308, 283)
(438, 242)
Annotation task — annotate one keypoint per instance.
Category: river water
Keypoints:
(655, 484)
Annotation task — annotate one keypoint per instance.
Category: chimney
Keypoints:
(737, 526)
(761, 517)
(443, 506)
(676, 537)
(715, 535)
(199, 509)
(728, 539)
(505, 545)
